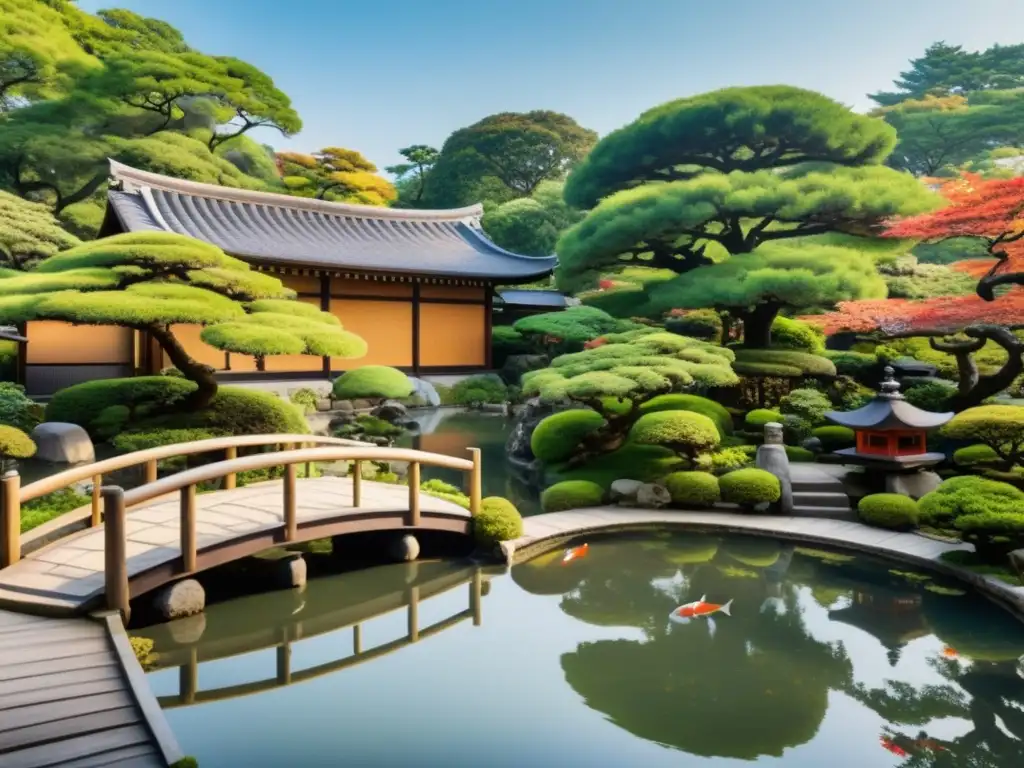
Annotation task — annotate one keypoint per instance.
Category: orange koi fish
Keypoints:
(699, 608)
(575, 553)
(891, 745)
(949, 653)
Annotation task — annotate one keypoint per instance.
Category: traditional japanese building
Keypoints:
(515, 303)
(891, 432)
(417, 285)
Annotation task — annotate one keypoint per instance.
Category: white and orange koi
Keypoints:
(575, 553)
(702, 607)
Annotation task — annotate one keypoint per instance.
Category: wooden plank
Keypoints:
(15, 622)
(51, 666)
(58, 679)
(61, 693)
(61, 633)
(49, 652)
(129, 757)
(135, 678)
(61, 752)
(44, 713)
(61, 730)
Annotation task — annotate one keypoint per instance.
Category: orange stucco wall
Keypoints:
(452, 334)
(386, 326)
(53, 343)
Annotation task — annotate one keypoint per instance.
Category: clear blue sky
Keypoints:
(376, 75)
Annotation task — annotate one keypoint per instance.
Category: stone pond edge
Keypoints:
(529, 546)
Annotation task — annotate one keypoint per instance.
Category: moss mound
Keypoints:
(888, 510)
(557, 436)
(750, 487)
(372, 381)
(137, 397)
(15, 444)
(646, 463)
(571, 494)
(717, 412)
(682, 431)
(694, 490)
(498, 520)
(757, 418)
(834, 438)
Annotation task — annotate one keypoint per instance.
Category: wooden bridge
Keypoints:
(316, 615)
(165, 529)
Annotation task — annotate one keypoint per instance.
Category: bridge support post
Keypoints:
(357, 483)
(188, 529)
(413, 614)
(97, 486)
(284, 659)
(230, 453)
(414, 494)
(151, 471)
(188, 677)
(115, 546)
(291, 524)
(475, 482)
(10, 509)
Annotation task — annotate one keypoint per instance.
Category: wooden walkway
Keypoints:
(66, 578)
(73, 695)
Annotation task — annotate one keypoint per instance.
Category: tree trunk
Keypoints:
(192, 370)
(757, 325)
(988, 386)
(727, 322)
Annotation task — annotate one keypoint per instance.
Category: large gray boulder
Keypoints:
(653, 496)
(427, 391)
(913, 484)
(391, 411)
(624, 491)
(62, 443)
(181, 599)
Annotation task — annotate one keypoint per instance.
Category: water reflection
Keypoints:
(279, 620)
(758, 682)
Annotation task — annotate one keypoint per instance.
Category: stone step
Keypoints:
(823, 485)
(832, 513)
(803, 498)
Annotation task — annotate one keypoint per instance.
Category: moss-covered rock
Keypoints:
(750, 487)
(888, 510)
(571, 494)
(372, 381)
(717, 412)
(498, 520)
(557, 436)
(695, 490)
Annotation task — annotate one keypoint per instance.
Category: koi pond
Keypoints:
(653, 650)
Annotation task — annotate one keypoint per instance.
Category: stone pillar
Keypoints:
(771, 457)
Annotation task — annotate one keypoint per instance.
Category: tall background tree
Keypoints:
(335, 173)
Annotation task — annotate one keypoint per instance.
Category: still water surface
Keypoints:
(824, 660)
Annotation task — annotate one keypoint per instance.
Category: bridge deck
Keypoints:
(67, 577)
(68, 699)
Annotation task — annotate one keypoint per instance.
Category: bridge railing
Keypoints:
(116, 500)
(14, 495)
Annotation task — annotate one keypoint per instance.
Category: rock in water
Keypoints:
(290, 572)
(405, 549)
(427, 391)
(653, 496)
(181, 599)
(62, 443)
(391, 410)
(624, 491)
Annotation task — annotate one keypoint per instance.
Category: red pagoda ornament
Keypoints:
(891, 433)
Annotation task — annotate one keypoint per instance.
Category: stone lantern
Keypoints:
(892, 439)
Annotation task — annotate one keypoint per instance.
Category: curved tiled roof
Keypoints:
(269, 228)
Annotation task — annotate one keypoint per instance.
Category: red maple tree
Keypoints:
(991, 210)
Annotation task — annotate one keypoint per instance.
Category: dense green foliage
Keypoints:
(478, 390)
(717, 412)
(931, 396)
(835, 437)
(574, 326)
(684, 432)
(986, 512)
(17, 410)
(999, 427)
(781, 363)
(29, 233)
(888, 510)
(135, 399)
(336, 174)
(571, 494)
(558, 437)
(498, 520)
(859, 365)
(704, 324)
(44, 509)
(810, 405)
(749, 487)
(531, 225)
(370, 382)
(795, 334)
(756, 419)
(694, 490)
(14, 444)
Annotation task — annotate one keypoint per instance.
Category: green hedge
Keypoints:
(858, 365)
(571, 494)
(888, 510)
(834, 438)
(807, 404)
(557, 436)
(785, 363)
(693, 489)
(705, 324)
(306, 399)
(796, 334)
(17, 410)
(129, 442)
(732, 457)
(976, 455)
(750, 487)
(931, 396)
(371, 382)
(15, 444)
(139, 397)
(717, 412)
(685, 432)
(498, 520)
(238, 411)
(797, 454)
(756, 419)
(46, 508)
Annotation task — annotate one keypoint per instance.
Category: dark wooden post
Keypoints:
(414, 494)
(10, 531)
(188, 529)
(115, 552)
(291, 525)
